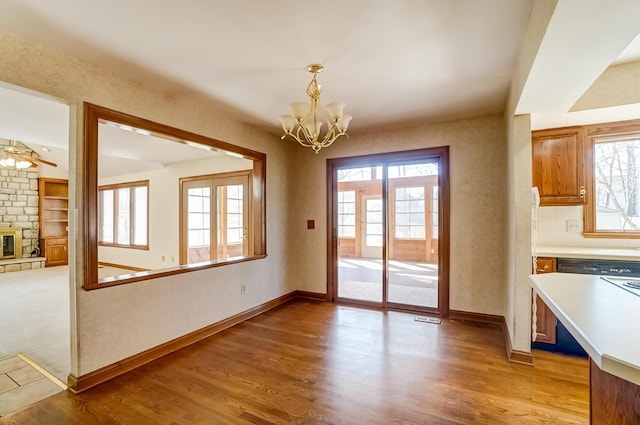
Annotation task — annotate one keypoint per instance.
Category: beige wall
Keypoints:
(518, 232)
(113, 323)
(618, 85)
(478, 206)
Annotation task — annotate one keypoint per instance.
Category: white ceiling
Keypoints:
(583, 38)
(393, 62)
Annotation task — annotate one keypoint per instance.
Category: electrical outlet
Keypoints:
(573, 226)
(243, 288)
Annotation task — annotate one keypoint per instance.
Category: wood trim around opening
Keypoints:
(92, 115)
(603, 132)
(373, 160)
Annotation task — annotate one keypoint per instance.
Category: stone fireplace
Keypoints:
(19, 216)
(19, 202)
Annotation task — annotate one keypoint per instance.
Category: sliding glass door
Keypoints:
(389, 230)
(360, 233)
(413, 237)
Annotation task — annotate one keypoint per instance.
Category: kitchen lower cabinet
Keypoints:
(613, 400)
(55, 251)
(545, 319)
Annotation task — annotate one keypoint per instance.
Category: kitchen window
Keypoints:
(613, 184)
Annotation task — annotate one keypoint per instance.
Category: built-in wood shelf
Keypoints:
(54, 220)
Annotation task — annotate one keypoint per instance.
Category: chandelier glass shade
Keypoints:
(10, 161)
(305, 121)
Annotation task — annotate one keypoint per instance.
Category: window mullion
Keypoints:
(132, 216)
(116, 208)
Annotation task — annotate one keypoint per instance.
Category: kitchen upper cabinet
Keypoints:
(559, 165)
(545, 319)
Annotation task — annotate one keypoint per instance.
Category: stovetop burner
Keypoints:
(632, 286)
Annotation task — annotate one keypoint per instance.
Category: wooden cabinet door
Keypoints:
(559, 165)
(545, 319)
(55, 252)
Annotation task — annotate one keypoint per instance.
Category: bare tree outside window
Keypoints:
(616, 184)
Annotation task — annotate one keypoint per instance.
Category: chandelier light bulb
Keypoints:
(21, 164)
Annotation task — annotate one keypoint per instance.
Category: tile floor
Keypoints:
(22, 384)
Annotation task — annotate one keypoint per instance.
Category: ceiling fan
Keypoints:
(15, 157)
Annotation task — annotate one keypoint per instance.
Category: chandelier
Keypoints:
(10, 161)
(305, 121)
(20, 158)
(12, 157)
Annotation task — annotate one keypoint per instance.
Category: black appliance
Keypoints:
(565, 343)
(615, 268)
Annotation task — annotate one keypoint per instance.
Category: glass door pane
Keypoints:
(231, 221)
(413, 236)
(199, 224)
(360, 233)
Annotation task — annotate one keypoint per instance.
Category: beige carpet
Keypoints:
(34, 317)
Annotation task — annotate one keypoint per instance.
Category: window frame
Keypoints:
(623, 130)
(88, 195)
(215, 181)
(115, 187)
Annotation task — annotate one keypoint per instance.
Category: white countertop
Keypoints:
(602, 317)
(629, 254)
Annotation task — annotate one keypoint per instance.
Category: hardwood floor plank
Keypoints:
(309, 362)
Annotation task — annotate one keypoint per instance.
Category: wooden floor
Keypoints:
(310, 362)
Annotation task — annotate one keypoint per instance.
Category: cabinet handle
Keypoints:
(544, 269)
(582, 191)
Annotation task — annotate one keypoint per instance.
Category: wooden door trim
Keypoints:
(442, 153)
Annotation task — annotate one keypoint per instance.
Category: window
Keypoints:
(409, 215)
(347, 214)
(360, 174)
(616, 181)
(613, 180)
(374, 234)
(199, 222)
(123, 215)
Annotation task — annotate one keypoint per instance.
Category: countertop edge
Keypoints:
(604, 361)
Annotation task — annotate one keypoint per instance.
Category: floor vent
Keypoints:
(428, 320)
